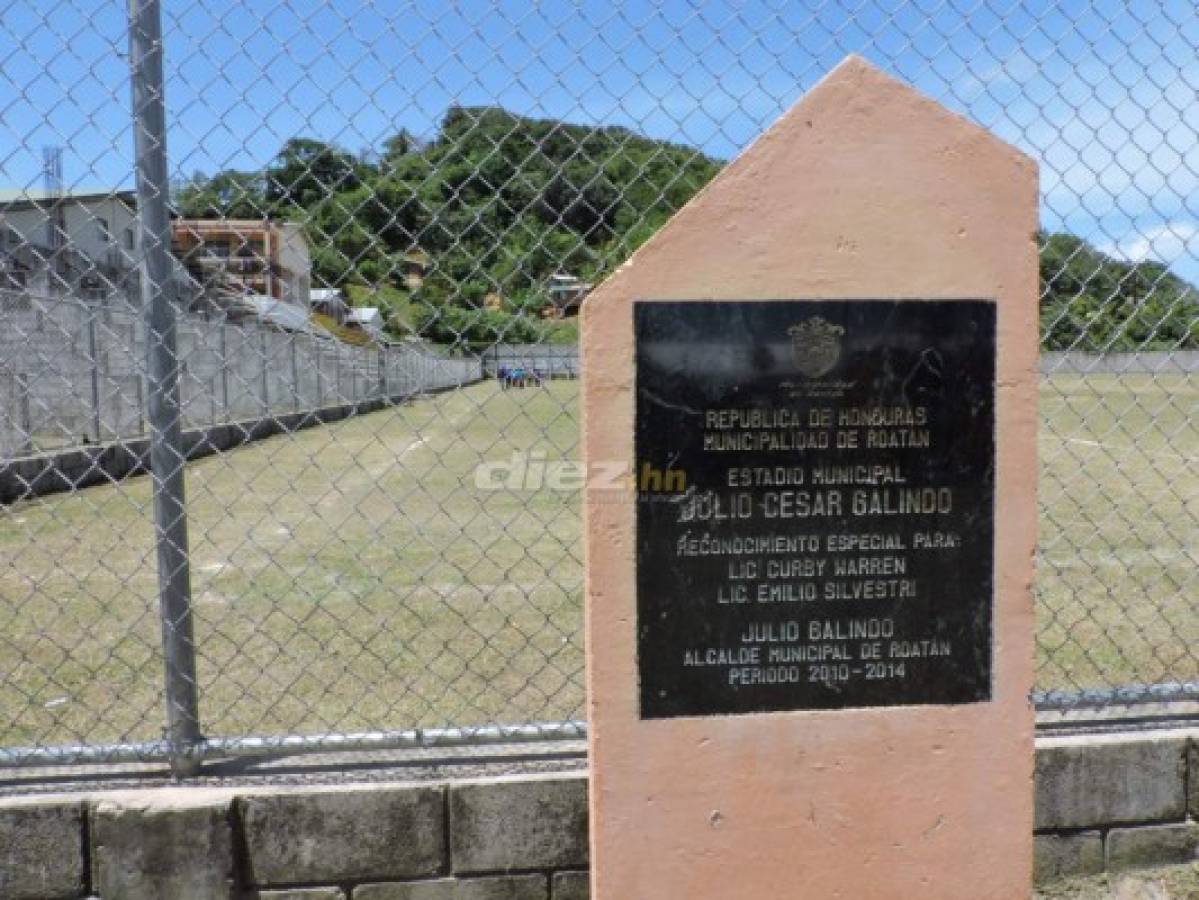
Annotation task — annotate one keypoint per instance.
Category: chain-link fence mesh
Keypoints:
(383, 219)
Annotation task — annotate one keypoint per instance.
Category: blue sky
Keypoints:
(1103, 93)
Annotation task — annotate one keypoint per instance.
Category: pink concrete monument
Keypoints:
(809, 612)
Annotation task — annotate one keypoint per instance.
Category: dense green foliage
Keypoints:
(1093, 302)
(499, 203)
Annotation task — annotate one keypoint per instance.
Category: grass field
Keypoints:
(1168, 883)
(353, 576)
(1118, 573)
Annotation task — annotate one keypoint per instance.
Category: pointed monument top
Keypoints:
(863, 157)
(859, 73)
(852, 62)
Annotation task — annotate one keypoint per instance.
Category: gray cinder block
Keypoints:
(41, 850)
(527, 823)
(1153, 845)
(571, 886)
(344, 834)
(1062, 855)
(1085, 782)
(169, 844)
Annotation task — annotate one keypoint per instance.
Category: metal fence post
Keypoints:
(266, 383)
(26, 416)
(315, 349)
(166, 444)
(295, 374)
(94, 354)
(141, 404)
(224, 373)
(340, 399)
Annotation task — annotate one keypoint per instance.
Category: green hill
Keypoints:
(1090, 301)
(497, 202)
(500, 202)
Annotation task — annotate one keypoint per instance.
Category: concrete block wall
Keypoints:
(1110, 803)
(1157, 362)
(553, 360)
(1102, 803)
(236, 384)
(521, 838)
(73, 374)
(564, 360)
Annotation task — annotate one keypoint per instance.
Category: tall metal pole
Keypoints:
(162, 375)
(266, 384)
(141, 404)
(93, 350)
(26, 420)
(295, 373)
(225, 375)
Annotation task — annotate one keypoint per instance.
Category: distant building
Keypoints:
(566, 293)
(281, 314)
(83, 245)
(87, 246)
(369, 319)
(414, 265)
(255, 256)
(329, 302)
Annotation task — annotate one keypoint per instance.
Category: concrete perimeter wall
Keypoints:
(1102, 803)
(551, 360)
(557, 360)
(1153, 362)
(73, 374)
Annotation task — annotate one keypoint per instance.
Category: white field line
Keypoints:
(1125, 448)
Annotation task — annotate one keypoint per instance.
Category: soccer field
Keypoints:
(354, 576)
(1118, 569)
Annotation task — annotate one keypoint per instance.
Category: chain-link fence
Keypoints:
(73, 373)
(317, 265)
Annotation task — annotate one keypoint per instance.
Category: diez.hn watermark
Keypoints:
(533, 471)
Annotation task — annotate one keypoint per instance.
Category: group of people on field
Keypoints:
(519, 377)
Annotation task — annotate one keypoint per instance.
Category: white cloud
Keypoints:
(1174, 243)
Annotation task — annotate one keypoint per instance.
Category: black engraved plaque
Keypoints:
(815, 504)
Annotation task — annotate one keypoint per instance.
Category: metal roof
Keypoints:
(17, 198)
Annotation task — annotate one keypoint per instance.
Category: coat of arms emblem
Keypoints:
(816, 343)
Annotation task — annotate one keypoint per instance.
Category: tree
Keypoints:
(306, 172)
(1090, 301)
(228, 195)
